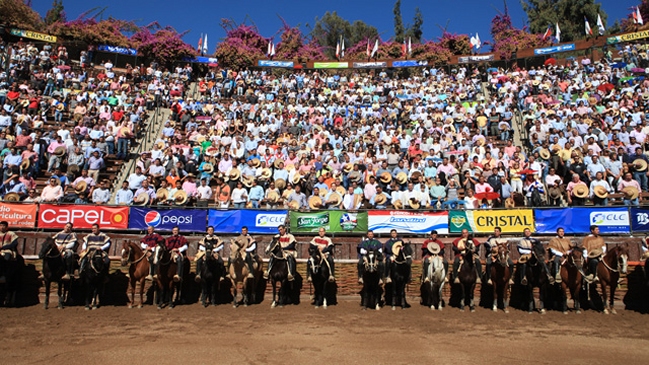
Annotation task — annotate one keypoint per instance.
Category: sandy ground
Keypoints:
(300, 334)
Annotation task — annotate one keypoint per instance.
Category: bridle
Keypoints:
(370, 262)
(620, 261)
(404, 257)
(503, 258)
(129, 250)
(47, 253)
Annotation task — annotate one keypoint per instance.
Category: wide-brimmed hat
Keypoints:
(380, 199)
(247, 180)
(544, 153)
(358, 199)
(341, 190)
(294, 205)
(256, 162)
(415, 175)
(631, 192)
(433, 248)
(81, 186)
(554, 192)
(510, 203)
(600, 191)
(355, 176)
(580, 191)
(639, 164)
(266, 173)
(208, 168)
(334, 199)
(25, 164)
(161, 145)
(59, 151)
(280, 184)
(272, 196)
(323, 192)
(398, 204)
(402, 177)
(141, 199)
(277, 162)
(162, 194)
(296, 179)
(234, 174)
(396, 247)
(386, 177)
(286, 193)
(414, 203)
(315, 202)
(348, 167)
(12, 197)
(180, 197)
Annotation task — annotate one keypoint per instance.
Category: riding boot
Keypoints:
(424, 272)
(487, 273)
(309, 270)
(359, 267)
(556, 267)
(179, 269)
(592, 268)
(456, 267)
(151, 270)
(332, 270)
(388, 270)
(270, 266)
(478, 270)
(69, 267)
(291, 268)
(547, 272)
(199, 269)
(523, 273)
(250, 265)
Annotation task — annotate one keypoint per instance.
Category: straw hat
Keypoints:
(294, 205)
(266, 173)
(341, 190)
(296, 179)
(358, 199)
(348, 168)
(554, 192)
(277, 162)
(334, 199)
(247, 180)
(81, 187)
(272, 196)
(59, 151)
(315, 202)
(12, 197)
(25, 164)
(234, 174)
(631, 192)
(323, 192)
(386, 177)
(355, 176)
(161, 145)
(415, 175)
(256, 163)
(580, 191)
(141, 199)
(600, 192)
(180, 197)
(125, 131)
(433, 248)
(162, 194)
(286, 193)
(414, 203)
(290, 167)
(396, 247)
(280, 184)
(544, 153)
(208, 168)
(509, 203)
(397, 204)
(402, 177)
(639, 164)
(380, 199)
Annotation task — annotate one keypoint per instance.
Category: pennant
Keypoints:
(600, 25)
(200, 43)
(367, 50)
(557, 34)
(342, 48)
(269, 46)
(548, 32)
(205, 47)
(638, 15)
(338, 49)
(588, 30)
(404, 49)
(375, 49)
(272, 49)
(477, 41)
(409, 46)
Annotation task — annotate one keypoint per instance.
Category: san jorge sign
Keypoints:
(484, 221)
(333, 221)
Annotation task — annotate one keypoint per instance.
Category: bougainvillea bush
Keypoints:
(507, 39)
(164, 45)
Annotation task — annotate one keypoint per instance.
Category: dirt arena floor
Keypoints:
(301, 334)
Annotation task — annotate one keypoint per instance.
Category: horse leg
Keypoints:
(273, 304)
(564, 294)
(47, 293)
(495, 286)
(612, 296)
(604, 285)
(471, 294)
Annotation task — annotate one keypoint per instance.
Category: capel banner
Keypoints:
(484, 221)
(334, 221)
(383, 221)
(82, 216)
(579, 220)
(257, 221)
(18, 215)
(187, 220)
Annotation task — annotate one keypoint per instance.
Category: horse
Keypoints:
(93, 277)
(536, 277)
(212, 273)
(468, 277)
(165, 271)
(608, 272)
(500, 274)
(278, 273)
(11, 270)
(53, 270)
(239, 274)
(433, 288)
(135, 258)
(572, 274)
(400, 274)
(371, 292)
(320, 275)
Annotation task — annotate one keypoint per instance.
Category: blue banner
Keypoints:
(268, 63)
(554, 49)
(187, 220)
(640, 219)
(201, 60)
(579, 220)
(409, 63)
(116, 49)
(257, 221)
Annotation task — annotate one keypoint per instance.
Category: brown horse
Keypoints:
(166, 268)
(501, 272)
(608, 272)
(239, 273)
(572, 273)
(138, 268)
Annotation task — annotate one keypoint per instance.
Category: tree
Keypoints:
(415, 30)
(56, 14)
(398, 22)
(328, 30)
(628, 25)
(241, 47)
(568, 13)
(507, 39)
(17, 14)
(164, 45)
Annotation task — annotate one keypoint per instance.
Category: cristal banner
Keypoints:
(484, 221)
(334, 221)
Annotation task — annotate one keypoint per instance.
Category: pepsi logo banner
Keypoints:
(187, 220)
(82, 216)
(257, 221)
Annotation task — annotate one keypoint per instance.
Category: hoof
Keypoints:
(130, 306)
(542, 311)
(59, 307)
(87, 308)
(565, 312)
(139, 306)
(94, 307)
(506, 311)
(317, 306)
(377, 307)
(273, 305)
(613, 311)
(495, 309)
(159, 307)
(606, 311)
(394, 308)
(472, 310)
(324, 306)
(432, 307)
(461, 309)
(578, 312)
(440, 308)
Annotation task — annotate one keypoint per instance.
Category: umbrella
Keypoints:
(618, 65)
(213, 64)
(550, 61)
(489, 195)
(637, 70)
(625, 79)
(607, 87)
(585, 61)
(527, 172)
(64, 67)
(503, 79)
(492, 69)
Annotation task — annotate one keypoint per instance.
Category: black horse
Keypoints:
(11, 270)
(535, 275)
(400, 275)
(278, 273)
(372, 271)
(467, 275)
(166, 268)
(320, 275)
(54, 267)
(93, 277)
(212, 272)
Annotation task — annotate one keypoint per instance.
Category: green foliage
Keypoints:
(56, 14)
(568, 13)
(328, 29)
(15, 13)
(398, 22)
(415, 31)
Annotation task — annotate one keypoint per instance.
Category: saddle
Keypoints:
(524, 258)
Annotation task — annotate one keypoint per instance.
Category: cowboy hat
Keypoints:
(415, 175)
(397, 204)
(180, 197)
(380, 199)
(323, 192)
(141, 199)
(334, 199)
(354, 176)
(639, 164)
(341, 190)
(280, 184)
(161, 145)
(234, 174)
(256, 162)
(396, 247)
(386, 177)
(580, 191)
(286, 193)
(162, 194)
(272, 196)
(12, 197)
(509, 203)
(208, 168)
(296, 179)
(266, 173)
(402, 177)
(348, 168)
(433, 248)
(631, 192)
(600, 192)
(414, 203)
(358, 199)
(289, 167)
(294, 205)
(554, 192)
(247, 180)
(81, 186)
(125, 131)
(315, 202)
(200, 139)
(277, 162)
(544, 153)
(59, 151)
(25, 164)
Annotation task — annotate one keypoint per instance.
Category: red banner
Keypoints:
(82, 216)
(18, 215)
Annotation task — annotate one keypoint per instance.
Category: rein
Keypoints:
(130, 252)
(47, 255)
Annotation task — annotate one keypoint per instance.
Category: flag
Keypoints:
(205, 47)
(375, 49)
(477, 41)
(548, 32)
(367, 50)
(404, 49)
(269, 46)
(557, 32)
(200, 43)
(338, 49)
(600, 25)
(272, 49)
(638, 15)
(342, 48)
(589, 31)
(409, 46)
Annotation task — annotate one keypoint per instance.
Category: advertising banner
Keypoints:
(330, 64)
(334, 221)
(82, 216)
(201, 59)
(640, 219)
(268, 63)
(187, 220)
(471, 59)
(116, 49)
(383, 221)
(33, 35)
(409, 63)
(370, 64)
(554, 49)
(257, 221)
(579, 220)
(484, 221)
(18, 215)
(628, 37)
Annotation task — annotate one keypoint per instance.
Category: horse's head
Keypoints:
(371, 261)
(126, 252)
(502, 254)
(209, 250)
(406, 253)
(274, 247)
(622, 256)
(577, 258)
(539, 252)
(48, 248)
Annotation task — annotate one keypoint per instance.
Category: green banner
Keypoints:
(330, 65)
(334, 221)
(628, 37)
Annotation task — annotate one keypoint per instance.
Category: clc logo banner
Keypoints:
(82, 216)
(187, 220)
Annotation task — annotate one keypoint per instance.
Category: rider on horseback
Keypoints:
(210, 239)
(177, 244)
(594, 248)
(460, 246)
(247, 242)
(389, 256)
(366, 245)
(287, 242)
(9, 243)
(560, 247)
(92, 242)
(149, 244)
(426, 253)
(492, 251)
(67, 243)
(323, 244)
(525, 247)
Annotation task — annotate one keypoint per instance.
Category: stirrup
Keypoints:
(149, 278)
(489, 282)
(524, 281)
(266, 275)
(478, 281)
(290, 277)
(427, 280)
(388, 280)
(309, 279)
(360, 280)
(456, 281)
(65, 277)
(176, 278)
(511, 281)
(331, 278)
(197, 279)
(251, 276)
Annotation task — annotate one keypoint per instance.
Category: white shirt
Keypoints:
(204, 192)
(239, 195)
